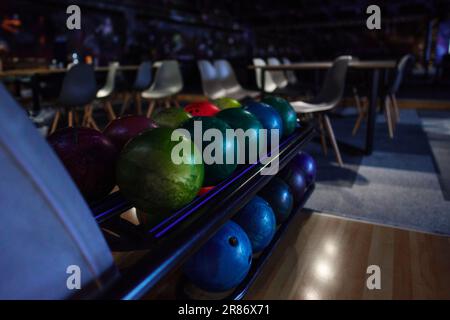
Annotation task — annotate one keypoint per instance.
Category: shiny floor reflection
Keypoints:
(325, 257)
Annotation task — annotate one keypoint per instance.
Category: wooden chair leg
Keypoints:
(84, 122)
(109, 110)
(357, 100)
(333, 140)
(151, 107)
(167, 103)
(138, 103)
(90, 119)
(76, 118)
(395, 105)
(92, 123)
(388, 114)
(70, 118)
(126, 102)
(361, 117)
(55, 121)
(323, 140)
(175, 102)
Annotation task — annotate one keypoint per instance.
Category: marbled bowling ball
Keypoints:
(258, 221)
(122, 129)
(151, 180)
(89, 157)
(219, 170)
(223, 261)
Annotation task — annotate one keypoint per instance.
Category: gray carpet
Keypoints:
(404, 183)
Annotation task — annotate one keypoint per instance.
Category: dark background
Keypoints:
(133, 30)
(187, 30)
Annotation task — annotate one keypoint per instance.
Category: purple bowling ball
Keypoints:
(307, 164)
(295, 179)
(123, 129)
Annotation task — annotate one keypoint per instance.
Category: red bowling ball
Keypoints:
(121, 130)
(202, 109)
(89, 157)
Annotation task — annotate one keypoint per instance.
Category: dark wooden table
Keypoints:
(379, 70)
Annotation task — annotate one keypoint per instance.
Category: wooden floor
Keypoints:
(325, 257)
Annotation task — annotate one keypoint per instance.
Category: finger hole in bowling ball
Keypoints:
(233, 241)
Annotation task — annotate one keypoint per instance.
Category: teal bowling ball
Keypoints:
(258, 221)
(222, 262)
(238, 118)
(268, 116)
(286, 112)
(215, 172)
(278, 194)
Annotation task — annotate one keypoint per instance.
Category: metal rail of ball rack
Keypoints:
(172, 241)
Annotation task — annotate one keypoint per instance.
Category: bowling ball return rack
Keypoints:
(165, 246)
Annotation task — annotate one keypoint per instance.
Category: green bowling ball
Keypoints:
(171, 118)
(215, 172)
(227, 103)
(150, 180)
(239, 118)
(286, 112)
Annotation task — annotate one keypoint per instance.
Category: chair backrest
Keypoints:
(278, 76)
(270, 85)
(400, 72)
(109, 86)
(79, 86)
(228, 79)
(143, 76)
(168, 77)
(211, 84)
(45, 224)
(334, 84)
(290, 75)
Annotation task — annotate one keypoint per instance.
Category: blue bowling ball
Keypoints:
(307, 164)
(295, 178)
(268, 116)
(278, 194)
(258, 221)
(223, 261)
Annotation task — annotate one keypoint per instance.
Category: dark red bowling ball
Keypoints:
(205, 190)
(121, 130)
(202, 109)
(89, 157)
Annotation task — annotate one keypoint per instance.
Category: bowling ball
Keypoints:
(258, 221)
(202, 109)
(223, 261)
(286, 112)
(149, 178)
(268, 116)
(278, 194)
(89, 157)
(171, 118)
(205, 190)
(227, 103)
(215, 172)
(295, 179)
(238, 118)
(307, 164)
(122, 129)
